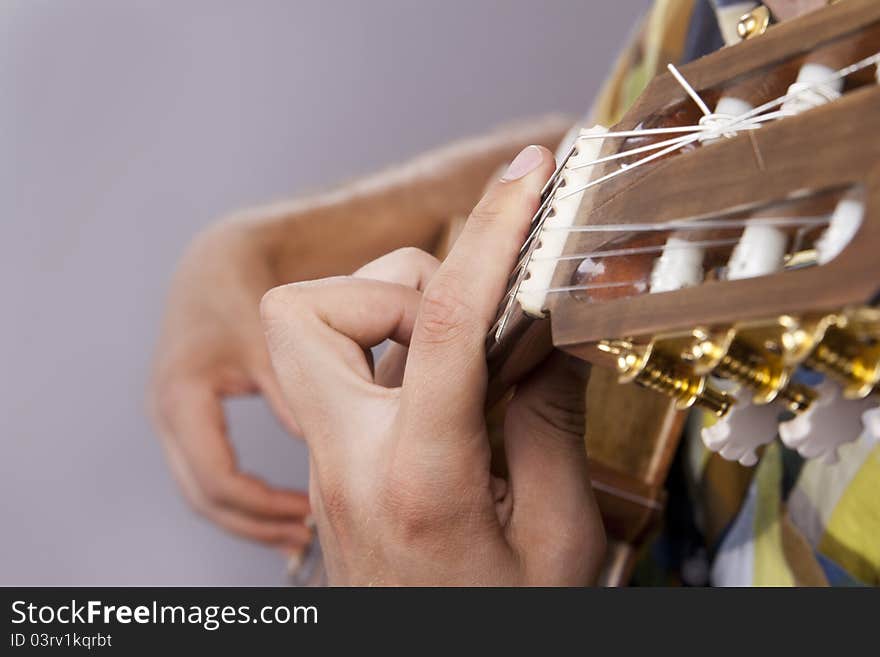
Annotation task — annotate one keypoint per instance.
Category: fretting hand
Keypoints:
(212, 344)
(400, 476)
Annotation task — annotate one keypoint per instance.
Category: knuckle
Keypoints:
(486, 215)
(411, 253)
(443, 315)
(563, 412)
(214, 491)
(414, 509)
(277, 303)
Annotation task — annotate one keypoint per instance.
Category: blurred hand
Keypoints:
(212, 346)
(400, 476)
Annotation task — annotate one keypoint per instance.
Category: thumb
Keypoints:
(445, 379)
(555, 518)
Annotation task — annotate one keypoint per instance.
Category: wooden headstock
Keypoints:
(836, 146)
(714, 191)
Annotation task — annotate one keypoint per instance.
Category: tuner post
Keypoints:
(643, 365)
(760, 357)
(768, 386)
(851, 356)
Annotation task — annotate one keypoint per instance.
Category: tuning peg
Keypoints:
(816, 85)
(759, 252)
(830, 422)
(679, 266)
(745, 428)
(844, 224)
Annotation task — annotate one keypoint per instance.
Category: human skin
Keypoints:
(212, 345)
(400, 479)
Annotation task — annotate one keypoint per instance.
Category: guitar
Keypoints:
(716, 249)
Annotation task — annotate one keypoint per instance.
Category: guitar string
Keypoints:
(733, 123)
(538, 220)
(730, 125)
(684, 141)
(667, 142)
(555, 181)
(639, 250)
(639, 283)
(689, 89)
(719, 224)
(841, 73)
(808, 222)
(760, 109)
(673, 226)
(544, 210)
(617, 284)
(672, 145)
(542, 213)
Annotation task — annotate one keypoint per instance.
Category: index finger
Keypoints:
(445, 380)
(318, 333)
(196, 424)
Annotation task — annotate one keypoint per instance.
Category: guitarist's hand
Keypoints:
(212, 347)
(400, 479)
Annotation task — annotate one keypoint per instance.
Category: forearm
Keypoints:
(409, 205)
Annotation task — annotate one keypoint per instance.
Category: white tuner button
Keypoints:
(746, 427)
(830, 422)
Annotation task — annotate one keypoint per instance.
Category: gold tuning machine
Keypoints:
(849, 352)
(654, 369)
(760, 356)
(753, 23)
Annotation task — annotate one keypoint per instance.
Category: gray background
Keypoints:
(127, 126)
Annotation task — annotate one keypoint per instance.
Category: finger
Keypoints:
(411, 267)
(318, 333)
(444, 384)
(291, 534)
(553, 502)
(197, 427)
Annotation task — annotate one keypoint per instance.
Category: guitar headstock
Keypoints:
(727, 228)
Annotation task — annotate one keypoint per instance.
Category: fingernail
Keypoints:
(528, 160)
